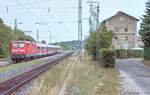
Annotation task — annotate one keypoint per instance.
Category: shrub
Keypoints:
(2, 56)
(121, 53)
(105, 41)
(129, 53)
(107, 57)
(135, 53)
(147, 53)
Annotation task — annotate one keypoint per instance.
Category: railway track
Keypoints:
(12, 85)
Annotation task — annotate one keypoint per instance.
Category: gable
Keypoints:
(123, 15)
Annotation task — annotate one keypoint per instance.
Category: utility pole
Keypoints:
(80, 30)
(37, 35)
(7, 8)
(48, 10)
(94, 15)
(15, 27)
(90, 18)
(94, 22)
(50, 37)
(98, 11)
(28, 32)
(97, 28)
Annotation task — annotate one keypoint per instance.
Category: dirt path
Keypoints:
(65, 79)
(135, 77)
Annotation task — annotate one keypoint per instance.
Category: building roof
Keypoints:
(120, 13)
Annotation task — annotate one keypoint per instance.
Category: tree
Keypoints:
(104, 37)
(7, 34)
(90, 45)
(43, 42)
(1, 21)
(145, 26)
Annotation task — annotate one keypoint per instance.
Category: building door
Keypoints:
(126, 42)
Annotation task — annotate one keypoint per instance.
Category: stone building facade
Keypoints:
(124, 27)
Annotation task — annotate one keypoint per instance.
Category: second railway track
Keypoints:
(12, 85)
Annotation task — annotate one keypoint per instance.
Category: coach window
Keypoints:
(15, 45)
(38, 48)
(41, 48)
(21, 45)
(47, 48)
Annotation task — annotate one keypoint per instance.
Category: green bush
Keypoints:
(107, 57)
(1, 56)
(147, 53)
(0, 51)
(135, 53)
(121, 53)
(129, 53)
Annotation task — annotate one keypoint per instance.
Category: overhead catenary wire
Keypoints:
(28, 10)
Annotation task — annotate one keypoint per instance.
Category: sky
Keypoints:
(60, 17)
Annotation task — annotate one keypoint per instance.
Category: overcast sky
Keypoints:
(62, 17)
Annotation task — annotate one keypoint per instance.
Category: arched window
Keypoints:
(126, 42)
(116, 37)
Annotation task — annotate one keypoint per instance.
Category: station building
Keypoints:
(124, 27)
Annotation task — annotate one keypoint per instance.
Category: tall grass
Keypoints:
(49, 83)
(88, 79)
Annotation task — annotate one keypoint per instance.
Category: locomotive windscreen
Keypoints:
(18, 44)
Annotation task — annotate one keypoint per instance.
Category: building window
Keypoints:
(116, 28)
(116, 37)
(126, 29)
(121, 19)
(126, 42)
(126, 37)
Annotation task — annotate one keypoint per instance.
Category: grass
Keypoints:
(3, 59)
(49, 82)
(146, 62)
(87, 79)
(21, 65)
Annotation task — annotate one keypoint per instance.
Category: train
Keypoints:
(28, 50)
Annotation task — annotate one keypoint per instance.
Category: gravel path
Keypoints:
(4, 63)
(135, 77)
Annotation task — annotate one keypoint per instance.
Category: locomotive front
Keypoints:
(17, 50)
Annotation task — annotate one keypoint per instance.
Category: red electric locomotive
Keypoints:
(27, 50)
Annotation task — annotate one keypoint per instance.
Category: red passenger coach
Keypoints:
(27, 50)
